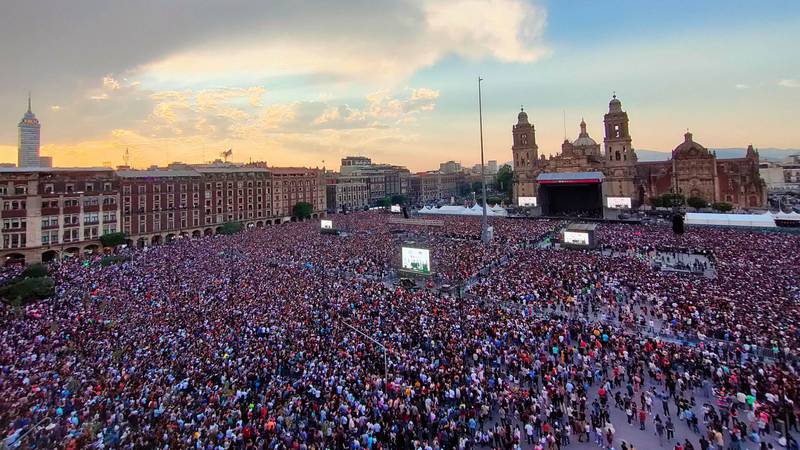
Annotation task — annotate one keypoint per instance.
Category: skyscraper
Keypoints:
(29, 132)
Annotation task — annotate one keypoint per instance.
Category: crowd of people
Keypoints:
(286, 338)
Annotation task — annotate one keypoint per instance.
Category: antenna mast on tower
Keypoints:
(126, 157)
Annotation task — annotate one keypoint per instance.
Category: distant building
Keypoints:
(430, 187)
(450, 167)
(352, 164)
(491, 167)
(347, 192)
(383, 180)
(782, 176)
(29, 139)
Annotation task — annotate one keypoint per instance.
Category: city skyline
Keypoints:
(293, 88)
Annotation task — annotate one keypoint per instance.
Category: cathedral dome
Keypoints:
(522, 117)
(690, 149)
(614, 106)
(584, 140)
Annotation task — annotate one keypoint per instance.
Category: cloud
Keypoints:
(417, 34)
(110, 83)
(742, 86)
(789, 83)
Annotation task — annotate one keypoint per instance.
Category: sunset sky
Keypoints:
(297, 82)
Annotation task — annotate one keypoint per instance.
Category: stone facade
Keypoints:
(692, 170)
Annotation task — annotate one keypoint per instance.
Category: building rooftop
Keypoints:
(157, 173)
(569, 176)
(53, 169)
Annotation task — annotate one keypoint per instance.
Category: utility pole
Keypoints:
(485, 237)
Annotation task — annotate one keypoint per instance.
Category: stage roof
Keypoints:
(570, 177)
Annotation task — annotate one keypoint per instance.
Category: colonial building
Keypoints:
(383, 180)
(48, 212)
(347, 192)
(435, 186)
(692, 170)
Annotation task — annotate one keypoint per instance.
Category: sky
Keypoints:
(307, 82)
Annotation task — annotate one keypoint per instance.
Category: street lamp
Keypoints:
(485, 236)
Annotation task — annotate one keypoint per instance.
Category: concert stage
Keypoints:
(571, 194)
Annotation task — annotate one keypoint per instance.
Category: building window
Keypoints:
(89, 187)
(16, 240)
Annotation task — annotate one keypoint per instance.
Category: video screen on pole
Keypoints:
(416, 260)
(326, 224)
(619, 202)
(526, 201)
(576, 238)
(395, 209)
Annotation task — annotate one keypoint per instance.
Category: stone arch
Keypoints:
(14, 258)
(91, 248)
(217, 230)
(260, 223)
(208, 231)
(155, 240)
(141, 242)
(72, 251)
(197, 234)
(50, 255)
(170, 237)
(294, 219)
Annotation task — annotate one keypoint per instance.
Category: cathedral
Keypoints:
(692, 170)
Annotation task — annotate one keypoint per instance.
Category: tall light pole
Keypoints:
(485, 237)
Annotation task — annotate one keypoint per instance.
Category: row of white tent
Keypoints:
(475, 210)
(766, 220)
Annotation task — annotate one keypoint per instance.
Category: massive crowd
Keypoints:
(288, 338)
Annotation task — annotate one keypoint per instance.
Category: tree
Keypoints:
(722, 207)
(696, 202)
(35, 271)
(672, 200)
(656, 202)
(302, 210)
(23, 291)
(385, 202)
(231, 228)
(493, 200)
(504, 181)
(113, 239)
(399, 199)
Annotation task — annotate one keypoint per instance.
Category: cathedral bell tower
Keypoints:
(526, 154)
(619, 154)
(525, 150)
(618, 139)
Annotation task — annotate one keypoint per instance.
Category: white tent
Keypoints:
(731, 220)
(476, 210)
(793, 216)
